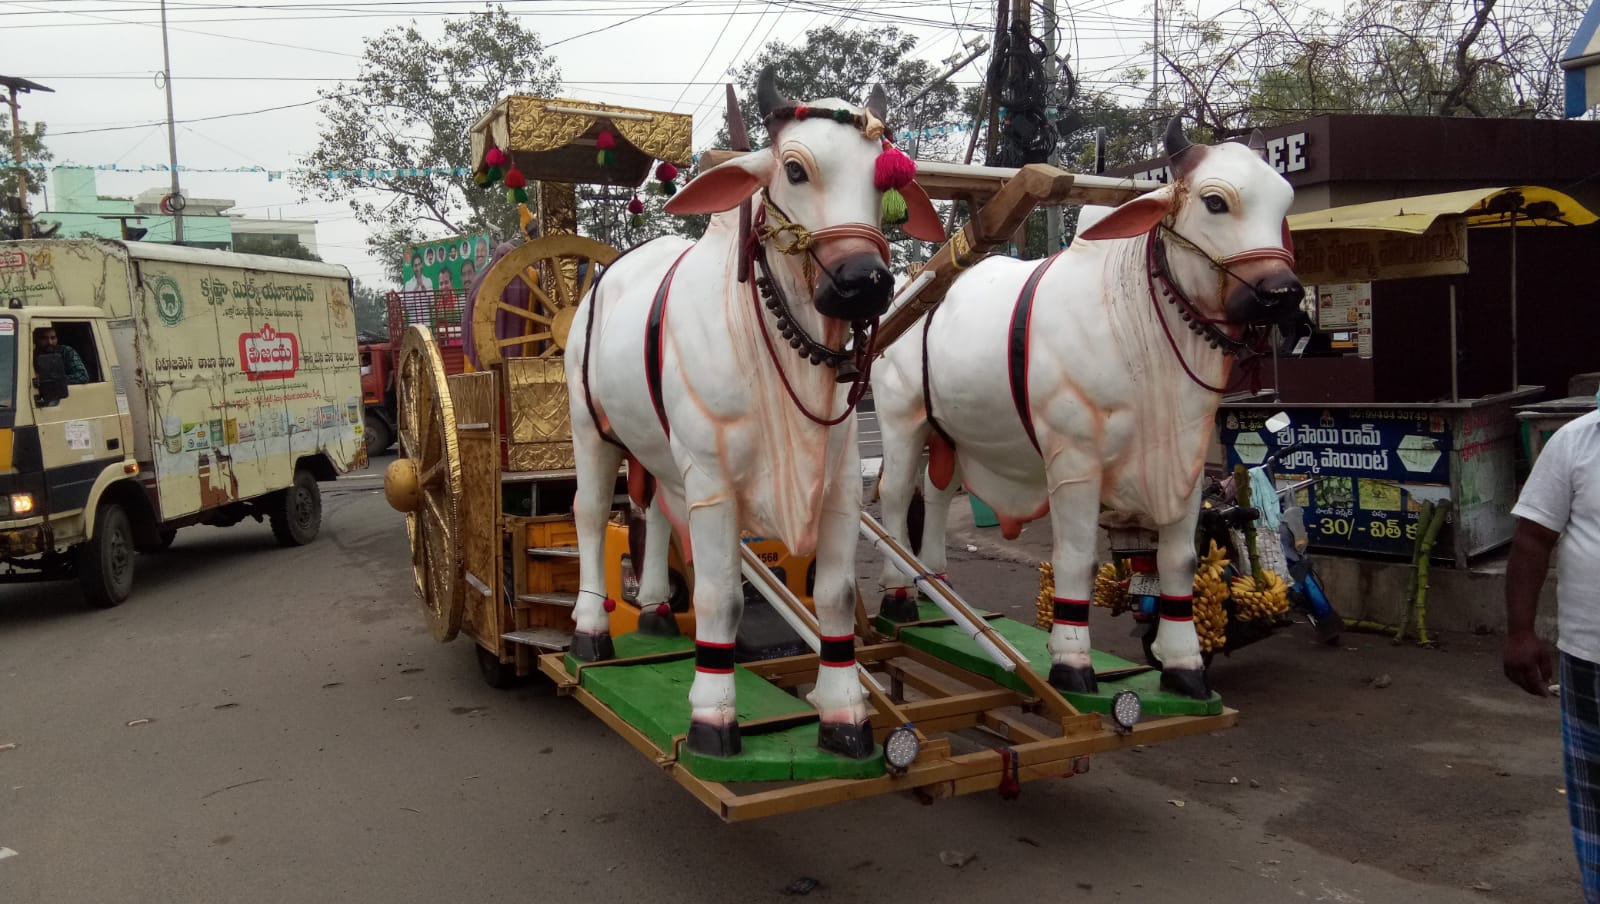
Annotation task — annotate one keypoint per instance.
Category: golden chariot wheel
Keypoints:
(424, 482)
(558, 271)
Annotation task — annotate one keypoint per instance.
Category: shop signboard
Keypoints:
(1348, 255)
(1374, 468)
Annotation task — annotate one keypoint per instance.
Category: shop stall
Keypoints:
(1410, 365)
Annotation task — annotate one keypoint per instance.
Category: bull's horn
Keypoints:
(1177, 142)
(767, 97)
(1258, 143)
(878, 103)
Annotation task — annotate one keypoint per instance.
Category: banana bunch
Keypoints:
(1111, 588)
(1211, 593)
(1267, 600)
(1047, 593)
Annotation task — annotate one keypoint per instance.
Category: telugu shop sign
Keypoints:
(1374, 468)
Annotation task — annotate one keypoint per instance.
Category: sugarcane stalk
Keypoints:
(1424, 518)
(1368, 627)
(1440, 514)
(1241, 490)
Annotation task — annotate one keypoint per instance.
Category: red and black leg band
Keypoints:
(838, 651)
(1177, 608)
(713, 658)
(1072, 612)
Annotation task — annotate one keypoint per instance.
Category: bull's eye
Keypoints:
(1215, 203)
(796, 172)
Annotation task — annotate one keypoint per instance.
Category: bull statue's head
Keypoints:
(820, 199)
(1221, 224)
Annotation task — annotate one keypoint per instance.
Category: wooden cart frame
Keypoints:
(951, 700)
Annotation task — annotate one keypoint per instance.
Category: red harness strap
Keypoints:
(1017, 349)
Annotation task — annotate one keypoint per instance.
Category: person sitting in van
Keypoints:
(44, 340)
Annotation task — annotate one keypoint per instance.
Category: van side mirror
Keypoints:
(50, 377)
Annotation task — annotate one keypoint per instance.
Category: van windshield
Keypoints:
(8, 366)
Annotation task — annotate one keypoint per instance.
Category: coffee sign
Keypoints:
(1286, 153)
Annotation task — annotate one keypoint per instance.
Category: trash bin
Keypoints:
(982, 514)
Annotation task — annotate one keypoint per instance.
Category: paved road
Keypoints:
(274, 725)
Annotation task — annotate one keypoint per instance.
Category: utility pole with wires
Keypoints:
(1155, 77)
(1052, 215)
(174, 202)
(15, 85)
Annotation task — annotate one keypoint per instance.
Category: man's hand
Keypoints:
(1527, 663)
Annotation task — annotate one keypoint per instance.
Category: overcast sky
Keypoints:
(228, 57)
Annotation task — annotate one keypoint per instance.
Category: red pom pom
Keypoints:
(663, 610)
(893, 169)
(515, 178)
(802, 111)
(610, 605)
(636, 205)
(605, 141)
(666, 172)
(495, 157)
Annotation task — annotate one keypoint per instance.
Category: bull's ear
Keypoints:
(922, 221)
(723, 186)
(1136, 217)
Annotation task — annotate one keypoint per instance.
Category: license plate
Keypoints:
(1144, 585)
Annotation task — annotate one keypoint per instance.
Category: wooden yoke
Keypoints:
(993, 224)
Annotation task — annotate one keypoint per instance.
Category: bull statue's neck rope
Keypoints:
(775, 228)
(1248, 347)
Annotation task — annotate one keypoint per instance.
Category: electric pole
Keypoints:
(175, 201)
(22, 85)
(1052, 215)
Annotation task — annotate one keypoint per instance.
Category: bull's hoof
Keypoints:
(655, 620)
(592, 647)
(1074, 679)
(845, 739)
(714, 740)
(1190, 683)
(898, 608)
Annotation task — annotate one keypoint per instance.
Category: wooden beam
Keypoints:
(971, 182)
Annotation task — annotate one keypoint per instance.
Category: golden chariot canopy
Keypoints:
(554, 139)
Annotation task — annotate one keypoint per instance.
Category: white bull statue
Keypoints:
(1092, 379)
(729, 394)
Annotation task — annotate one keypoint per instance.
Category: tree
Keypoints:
(848, 63)
(33, 151)
(273, 246)
(372, 312)
(1261, 64)
(412, 106)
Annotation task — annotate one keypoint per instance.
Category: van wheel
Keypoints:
(378, 435)
(297, 513)
(105, 563)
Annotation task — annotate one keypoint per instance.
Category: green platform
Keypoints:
(653, 698)
(951, 643)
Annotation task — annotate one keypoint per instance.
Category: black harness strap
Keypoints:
(652, 343)
(1017, 349)
(588, 342)
(927, 388)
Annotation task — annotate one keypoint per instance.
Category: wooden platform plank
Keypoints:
(951, 644)
(653, 698)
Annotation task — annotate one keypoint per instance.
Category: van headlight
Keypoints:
(21, 503)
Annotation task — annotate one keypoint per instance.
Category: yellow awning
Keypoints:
(1526, 205)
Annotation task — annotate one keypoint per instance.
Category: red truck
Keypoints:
(441, 312)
